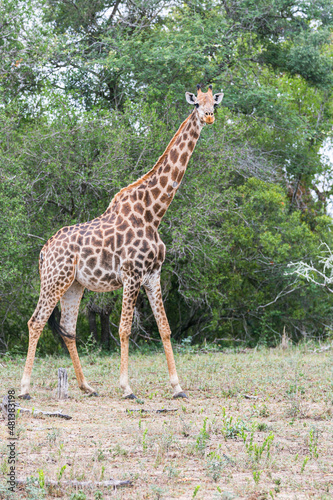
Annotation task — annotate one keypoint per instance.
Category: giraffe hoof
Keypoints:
(24, 396)
(95, 393)
(180, 395)
(130, 396)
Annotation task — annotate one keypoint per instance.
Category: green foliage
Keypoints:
(91, 94)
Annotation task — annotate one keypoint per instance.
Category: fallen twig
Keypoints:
(4, 409)
(142, 410)
(247, 396)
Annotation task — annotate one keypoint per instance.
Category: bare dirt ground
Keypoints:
(257, 425)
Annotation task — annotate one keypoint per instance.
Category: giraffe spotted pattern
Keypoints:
(120, 248)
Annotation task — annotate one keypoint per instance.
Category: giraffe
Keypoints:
(120, 248)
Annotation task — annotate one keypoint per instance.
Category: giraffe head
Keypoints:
(205, 102)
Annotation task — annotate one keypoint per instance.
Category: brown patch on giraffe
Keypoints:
(86, 252)
(109, 242)
(120, 240)
(147, 200)
(178, 140)
(149, 216)
(91, 263)
(182, 146)
(150, 233)
(136, 243)
(131, 252)
(138, 207)
(119, 220)
(123, 226)
(129, 236)
(116, 261)
(136, 221)
(95, 242)
(140, 233)
(163, 180)
(167, 168)
(161, 213)
(109, 277)
(183, 159)
(134, 196)
(194, 134)
(106, 259)
(155, 192)
(165, 198)
(157, 207)
(109, 231)
(174, 155)
(126, 209)
(151, 255)
(191, 145)
(144, 248)
(98, 273)
(185, 136)
(174, 173)
(180, 177)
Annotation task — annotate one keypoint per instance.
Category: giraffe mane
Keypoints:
(155, 167)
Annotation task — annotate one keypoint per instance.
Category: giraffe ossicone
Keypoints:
(120, 248)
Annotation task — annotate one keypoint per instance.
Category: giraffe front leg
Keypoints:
(153, 290)
(130, 293)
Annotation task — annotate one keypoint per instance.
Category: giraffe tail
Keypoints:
(56, 327)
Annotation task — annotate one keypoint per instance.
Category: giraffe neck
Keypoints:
(157, 188)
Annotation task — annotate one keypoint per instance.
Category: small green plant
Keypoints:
(262, 426)
(33, 489)
(79, 495)
(231, 428)
(313, 443)
(91, 349)
(4, 466)
(118, 450)
(264, 411)
(98, 495)
(195, 492)
(41, 478)
(172, 471)
(215, 466)
(100, 455)
(61, 472)
(203, 437)
(144, 440)
(256, 476)
(304, 464)
(102, 473)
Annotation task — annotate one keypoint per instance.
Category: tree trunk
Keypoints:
(105, 330)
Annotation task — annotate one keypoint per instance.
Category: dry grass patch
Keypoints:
(257, 425)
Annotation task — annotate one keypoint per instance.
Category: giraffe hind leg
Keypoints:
(70, 303)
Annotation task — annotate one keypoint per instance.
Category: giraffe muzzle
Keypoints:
(209, 119)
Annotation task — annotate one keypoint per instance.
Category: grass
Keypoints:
(220, 444)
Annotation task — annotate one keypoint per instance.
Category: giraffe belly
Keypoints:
(106, 282)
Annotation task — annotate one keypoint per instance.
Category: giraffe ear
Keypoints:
(191, 99)
(218, 98)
